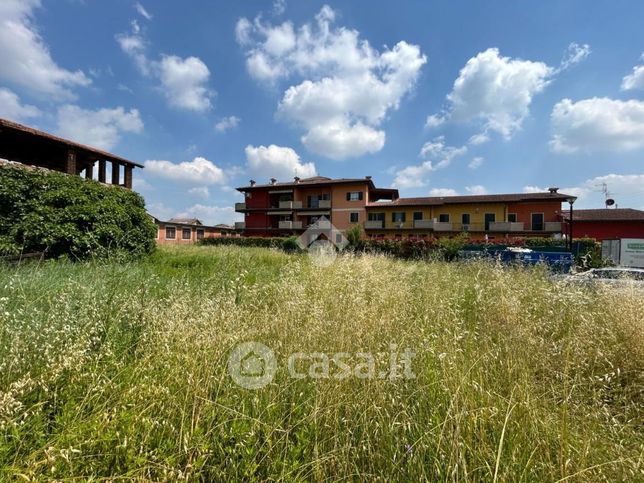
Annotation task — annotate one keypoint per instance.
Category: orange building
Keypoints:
(189, 230)
(279, 209)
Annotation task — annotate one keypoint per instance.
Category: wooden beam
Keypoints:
(70, 162)
(128, 176)
(102, 170)
(116, 173)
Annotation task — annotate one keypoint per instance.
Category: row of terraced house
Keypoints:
(280, 209)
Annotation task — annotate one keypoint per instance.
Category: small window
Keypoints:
(355, 217)
(376, 217)
(338, 238)
(186, 234)
(398, 217)
(537, 221)
(170, 232)
(443, 218)
(418, 215)
(354, 196)
(512, 217)
(465, 218)
(200, 233)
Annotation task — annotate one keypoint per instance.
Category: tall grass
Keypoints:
(120, 371)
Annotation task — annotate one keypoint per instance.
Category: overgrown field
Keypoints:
(120, 371)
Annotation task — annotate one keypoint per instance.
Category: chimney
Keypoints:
(553, 190)
(368, 178)
(273, 181)
(296, 179)
(253, 182)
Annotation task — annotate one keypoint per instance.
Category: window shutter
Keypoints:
(348, 196)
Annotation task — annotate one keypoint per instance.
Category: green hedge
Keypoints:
(68, 216)
(257, 241)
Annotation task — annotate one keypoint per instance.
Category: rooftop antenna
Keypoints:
(608, 201)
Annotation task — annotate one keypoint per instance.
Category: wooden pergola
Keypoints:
(29, 146)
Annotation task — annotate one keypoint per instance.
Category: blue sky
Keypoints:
(432, 97)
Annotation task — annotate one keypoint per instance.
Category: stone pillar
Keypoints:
(70, 162)
(128, 176)
(116, 173)
(89, 170)
(102, 165)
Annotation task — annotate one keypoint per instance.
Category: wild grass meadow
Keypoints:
(119, 371)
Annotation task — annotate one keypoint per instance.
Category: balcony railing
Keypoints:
(290, 225)
(506, 226)
(553, 226)
(427, 224)
(373, 224)
(442, 226)
(324, 204)
(290, 205)
(240, 206)
(240, 225)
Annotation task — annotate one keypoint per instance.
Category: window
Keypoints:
(170, 232)
(443, 218)
(512, 217)
(200, 233)
(418, 215)
(186, 234)
(465, 218)
(354, 196)
(489, 218)
(338, 238)
(376, 217)
(398, 217)
(355, 217)
(537, 221)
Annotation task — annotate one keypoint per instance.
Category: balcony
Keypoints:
(322, 224)
(240, 206)
(553, 226)
(426, 224)
(290, 225)
(373, 224)
(290, 205)
(324, 204)
(442, 226)
(240, 225)
(506, 226)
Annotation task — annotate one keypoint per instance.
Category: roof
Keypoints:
(606, 214)
(185, 221)
(313, 181)
(500, 198)
(13, 128)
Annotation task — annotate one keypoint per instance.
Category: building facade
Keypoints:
(280, 209)
(183, 231)
(607, 223)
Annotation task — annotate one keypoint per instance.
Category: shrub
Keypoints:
(68, 216)
(247, 241)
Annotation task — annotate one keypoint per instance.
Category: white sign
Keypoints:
(632, 252)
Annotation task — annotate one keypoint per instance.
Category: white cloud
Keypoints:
(477, 139)
(443, 192)
(597, 125)
(574, 54)
(198, 171)
(348, 87)
(277, 162)
(184, 81)
(496, 91)
(25, 59)
(200, 192)
(437, 156)
(227, 123)
(211, 215)
(138, 183)
(142, 11)
(635, 80)
(11, 108)
(101, 128)
(279, 7)
(476, 162)
(626, 189)
(476, 190)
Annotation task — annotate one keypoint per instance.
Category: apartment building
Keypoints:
(188, 230)
(279, 209)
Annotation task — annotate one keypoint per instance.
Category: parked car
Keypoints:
(614, 276)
